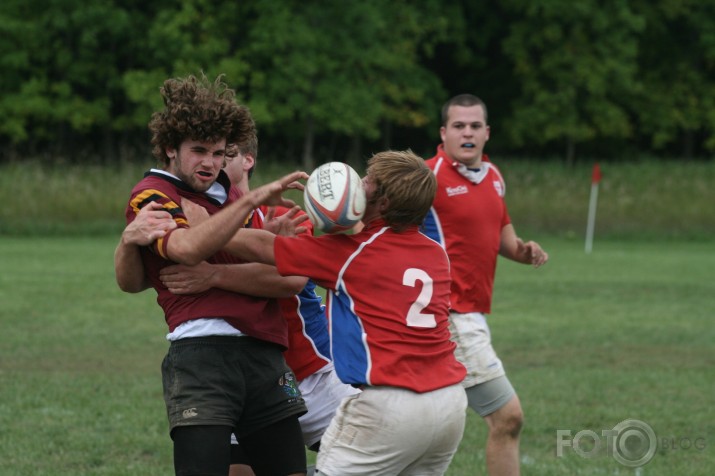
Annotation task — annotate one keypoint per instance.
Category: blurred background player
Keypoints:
(470, 219)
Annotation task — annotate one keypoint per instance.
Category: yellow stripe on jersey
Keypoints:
(161, 248)
(249, 219)
(153, 195)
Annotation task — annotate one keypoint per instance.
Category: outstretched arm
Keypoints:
(192, 245)
(515, 249)
(255, 279)
(253, 245)
(250, 244)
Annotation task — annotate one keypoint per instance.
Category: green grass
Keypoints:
(591, 340)
(588, 341)
(80, 388)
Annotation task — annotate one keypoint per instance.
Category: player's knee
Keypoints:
(514, 423)
(508, 420)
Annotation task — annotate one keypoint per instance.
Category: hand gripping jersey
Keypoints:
(388, 302)
(256, 317)
(308, 338)
(467, 218)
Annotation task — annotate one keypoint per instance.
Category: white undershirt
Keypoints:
(205, 326)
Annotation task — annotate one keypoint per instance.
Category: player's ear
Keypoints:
(249, 161)
(383, 204)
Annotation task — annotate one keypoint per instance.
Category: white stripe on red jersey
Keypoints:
(388, 304)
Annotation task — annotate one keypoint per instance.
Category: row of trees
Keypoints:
(329, 79)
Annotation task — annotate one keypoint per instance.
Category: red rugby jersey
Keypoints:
(467, 218)
(388, 302)
(308, 340)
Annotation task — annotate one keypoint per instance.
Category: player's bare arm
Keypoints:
(253, 245)
(190, 246)
(129, 269)
(514, 248)
(254, 279)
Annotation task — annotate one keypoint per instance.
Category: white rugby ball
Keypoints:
(334, 198)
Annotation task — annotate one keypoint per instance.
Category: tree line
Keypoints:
(331, 79)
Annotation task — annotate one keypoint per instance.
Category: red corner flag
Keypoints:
(596, 174)
(595, 178)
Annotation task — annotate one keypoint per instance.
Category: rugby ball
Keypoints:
(334, 198)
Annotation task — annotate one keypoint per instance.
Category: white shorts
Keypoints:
(322, 392)
(474, 347)
(390, 430)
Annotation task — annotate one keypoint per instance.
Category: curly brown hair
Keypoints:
(409, 186)
(201, 110)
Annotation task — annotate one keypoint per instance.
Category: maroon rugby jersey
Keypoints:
(253, 316)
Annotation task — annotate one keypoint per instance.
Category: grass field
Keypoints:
(589, 341)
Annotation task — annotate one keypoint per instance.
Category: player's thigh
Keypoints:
(201, 387)
(489, 398)
(474, 349)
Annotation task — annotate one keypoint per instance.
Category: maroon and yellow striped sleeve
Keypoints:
(152, 195)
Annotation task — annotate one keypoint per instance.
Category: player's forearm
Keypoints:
(509, 243)
(253, 245)
(516, 252)
(129, 268)
(256, 279)
(515, 249)
(190, 246)
(193, 245)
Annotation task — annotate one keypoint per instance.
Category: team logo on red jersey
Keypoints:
(458, 190)
(499, 187)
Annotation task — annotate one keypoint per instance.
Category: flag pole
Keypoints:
(595, 179)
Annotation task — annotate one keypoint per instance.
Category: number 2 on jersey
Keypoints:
(415, 316)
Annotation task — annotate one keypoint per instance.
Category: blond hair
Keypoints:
(408, 185)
